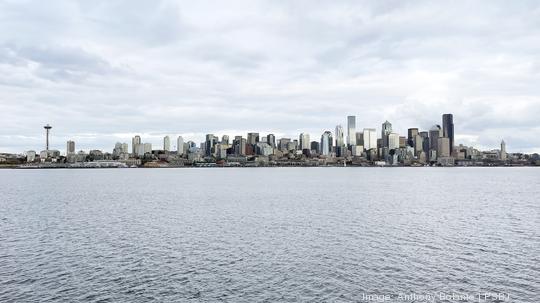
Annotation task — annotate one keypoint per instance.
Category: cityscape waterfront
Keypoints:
(351, 146)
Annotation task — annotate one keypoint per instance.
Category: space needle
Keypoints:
(47, 129)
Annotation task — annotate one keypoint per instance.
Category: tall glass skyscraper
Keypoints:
(351, 130)
(385, 131)
(326, 143)
(448, 129)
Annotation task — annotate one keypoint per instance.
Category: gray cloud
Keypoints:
(101, 71)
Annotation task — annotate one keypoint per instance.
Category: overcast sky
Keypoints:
(102, 71)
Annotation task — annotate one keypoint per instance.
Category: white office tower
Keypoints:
(326, 143)
(304, 141)
(339, 136)
(351, 130)
(370, 138)
(140, 150)
(166, 143)
(135, 142)
(180, 145)
(393, 141)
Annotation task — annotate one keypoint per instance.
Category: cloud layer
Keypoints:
(102, 71)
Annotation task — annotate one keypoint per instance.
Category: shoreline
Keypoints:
(284, 166)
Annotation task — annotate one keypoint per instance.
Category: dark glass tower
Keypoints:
(411, 135)
(448, 129)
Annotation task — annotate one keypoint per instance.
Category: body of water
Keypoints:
(270, 234)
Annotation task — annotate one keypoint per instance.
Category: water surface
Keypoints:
(268, 234)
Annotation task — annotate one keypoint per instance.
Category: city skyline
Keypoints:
(102, 73)
(353, 145)
(163, 141)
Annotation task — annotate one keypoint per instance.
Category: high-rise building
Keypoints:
(209, 143)
(425, 141)
(135, 142)
(385, 131)
(411, 136)
(402, 141)
(393, 141)
(418, 144)
(339, 135)
(434, 134)
(304, 141)
(360, 138)
(166, 144)
(448, 129)
(271, 140)
(315, 146)
(180, 145)
(370, 138)
(125, 148)
(443, 149)
(340, 144)
(283, 144)
(70, 147)
(503, 154)
(117, 149)
(225, 140)
(351, 130)
(252, 138)
(326, 143)
(147, 148)
(239, 146)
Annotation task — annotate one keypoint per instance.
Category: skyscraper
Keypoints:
(393, 141)
(443, 149)
(448, 129)
(340, 144)
(239, 146)
(326, 143)
(147, 148)
(70, 147)
(418, 144)
(411, 135)
(351, 130)
(360, 138)
(166, 143)
(385, 131)
(225, 140)
(434, 134)
(315, 146)
(370, 138)
(135, 142)
(503, 154)
(180, 145)
(425, 141)
(209, 144)
(252, 138)
(271, 140)
(304, 141)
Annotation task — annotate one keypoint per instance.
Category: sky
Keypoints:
(101, 72)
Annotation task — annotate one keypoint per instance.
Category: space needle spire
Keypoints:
(47, 129)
